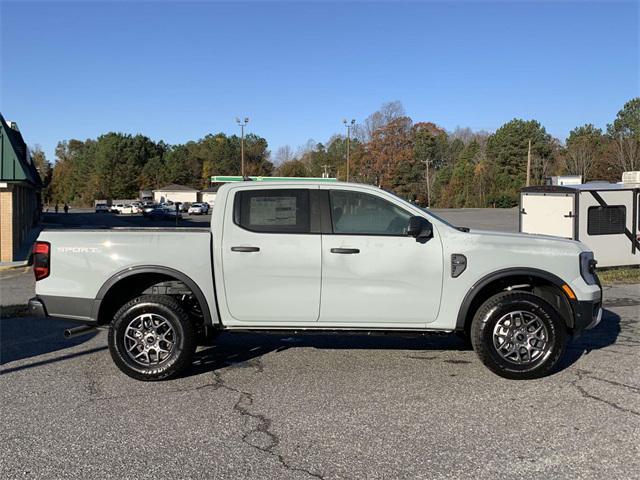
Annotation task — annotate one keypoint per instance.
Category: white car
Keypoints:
(198, 209)
(125, 209)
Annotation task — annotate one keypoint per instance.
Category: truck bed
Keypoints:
(85, 260)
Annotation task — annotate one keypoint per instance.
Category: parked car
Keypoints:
(318, 257)
(198, 209)
(148, 208)
(125, 209)
(102, 208)
(163, 214)
(116, 208)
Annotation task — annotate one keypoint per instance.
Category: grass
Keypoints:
(619, 275)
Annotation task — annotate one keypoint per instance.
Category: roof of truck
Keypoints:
(584, 187)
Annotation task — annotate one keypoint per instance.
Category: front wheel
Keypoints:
(152, 338)
(518, 335)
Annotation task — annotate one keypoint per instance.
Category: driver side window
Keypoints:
(363, 214)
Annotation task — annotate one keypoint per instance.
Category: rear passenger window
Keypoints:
(609, 220)
(273, 210)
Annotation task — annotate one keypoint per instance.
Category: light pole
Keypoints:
(349, 126)
(242, 123)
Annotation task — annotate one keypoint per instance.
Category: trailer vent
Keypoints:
(609, 220)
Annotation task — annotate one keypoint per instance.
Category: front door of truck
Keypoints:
(372, 271)
(271, 260)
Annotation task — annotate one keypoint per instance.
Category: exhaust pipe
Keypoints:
(77, 331)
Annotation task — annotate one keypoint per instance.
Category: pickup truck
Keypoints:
(310, 256)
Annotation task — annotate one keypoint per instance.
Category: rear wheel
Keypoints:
(518, 335)
(152, 338)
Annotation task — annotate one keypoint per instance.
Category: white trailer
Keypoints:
(603, 216)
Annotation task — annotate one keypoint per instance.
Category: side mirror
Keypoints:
(420, 228)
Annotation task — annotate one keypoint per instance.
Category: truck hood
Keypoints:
(526, 240)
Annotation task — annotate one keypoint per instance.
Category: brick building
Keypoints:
(20, 185)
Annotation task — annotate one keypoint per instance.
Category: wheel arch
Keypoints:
(146, 276)
(545, 284)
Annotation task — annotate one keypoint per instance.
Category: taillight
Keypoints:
(41, 259)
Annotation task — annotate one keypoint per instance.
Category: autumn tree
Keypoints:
(390, 148)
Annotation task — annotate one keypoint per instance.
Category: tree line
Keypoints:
(420, 161)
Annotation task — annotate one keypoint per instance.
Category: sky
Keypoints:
(179, 70)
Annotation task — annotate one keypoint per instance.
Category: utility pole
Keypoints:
(242, 125)
(349, 126)
(529, 165)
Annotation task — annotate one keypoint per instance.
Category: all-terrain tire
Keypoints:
(152, 308)
(487, 336)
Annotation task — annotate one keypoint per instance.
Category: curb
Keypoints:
(12, 265)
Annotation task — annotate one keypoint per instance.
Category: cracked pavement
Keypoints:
(321, 406)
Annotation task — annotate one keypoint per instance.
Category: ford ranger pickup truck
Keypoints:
(305, 256)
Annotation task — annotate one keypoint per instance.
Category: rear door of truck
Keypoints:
(270, 259)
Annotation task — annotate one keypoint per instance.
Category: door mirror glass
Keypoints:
(420, 228)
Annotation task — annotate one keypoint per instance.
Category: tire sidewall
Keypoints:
(488, 317)
(169, 366)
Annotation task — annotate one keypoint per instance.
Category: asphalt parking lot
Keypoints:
(318, 406)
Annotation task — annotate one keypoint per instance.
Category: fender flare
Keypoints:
(193, 286)
(505, 273)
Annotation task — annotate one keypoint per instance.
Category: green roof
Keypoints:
(15, 165)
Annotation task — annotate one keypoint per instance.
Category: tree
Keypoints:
(507, 149)
(284, 154)
(389, 148)
(430, 145)
(624, 133)
(387, 113)
(292, 168)
(44, 170)
(458, 192)
(584, 145)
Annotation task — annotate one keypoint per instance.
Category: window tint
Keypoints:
(608, 220)
(273, 210)
(364, 214)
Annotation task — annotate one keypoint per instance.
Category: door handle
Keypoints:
(346, 251)
(245, 249)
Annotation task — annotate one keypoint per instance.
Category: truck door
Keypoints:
(372, 272)
(271, 260)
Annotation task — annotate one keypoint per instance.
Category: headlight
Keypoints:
(588, 268)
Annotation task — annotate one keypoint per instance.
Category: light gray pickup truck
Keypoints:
(305, 256)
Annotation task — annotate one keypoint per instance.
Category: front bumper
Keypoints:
(587, 313)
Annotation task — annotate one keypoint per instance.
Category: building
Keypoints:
(20, 186)
(175, 193)
(208, 195)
